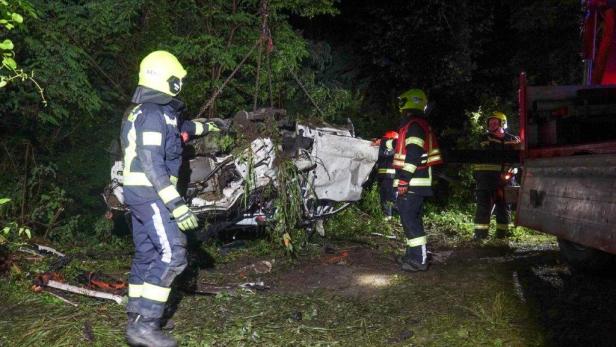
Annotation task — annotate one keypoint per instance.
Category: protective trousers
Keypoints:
(487, 199)
(410, 207)
(160, 256)
(387, 196)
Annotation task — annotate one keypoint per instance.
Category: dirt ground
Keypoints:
(560, 307)
(351, 295)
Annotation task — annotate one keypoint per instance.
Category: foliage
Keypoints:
(12, 229)
(86, 54)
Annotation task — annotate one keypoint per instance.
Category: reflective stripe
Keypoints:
(135, 290)
(487, 167)
(414, 140)
(199, 128)
(136, 179)
(170, 121)
(387, 171)
(155, 293)
(168, 194)
(174, 180)
(130, 152)
(482, 226)
(435, 152)
(422, 182)
(502, 226)
(400, 156)
(396, 182)
(152, 138)
(434, 158)
(418, 241)
(162, 235)
(409, 168)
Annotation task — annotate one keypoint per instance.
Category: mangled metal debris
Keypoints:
(238, 190)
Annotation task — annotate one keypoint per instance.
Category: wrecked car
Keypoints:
(238, 189)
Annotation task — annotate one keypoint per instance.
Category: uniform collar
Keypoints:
(147, 95)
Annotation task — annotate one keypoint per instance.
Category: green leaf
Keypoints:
(7, 45)
(9, 62)
(17, 18)
(4, 200)
(3, 84)
(6, 230)
(28, 233)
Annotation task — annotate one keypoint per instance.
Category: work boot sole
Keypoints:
(410, 267)
(137, 341)
(141, 342)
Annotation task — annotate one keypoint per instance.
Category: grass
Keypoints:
(462, 304)
(466, 305)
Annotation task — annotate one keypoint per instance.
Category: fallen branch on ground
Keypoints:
(83, 291)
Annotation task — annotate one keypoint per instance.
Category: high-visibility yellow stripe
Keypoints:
(155, 293)
(136, 179)
(387, 171)
(174, 180)
(414, 140)
(399, 156)
(409, 168)
(152, 138)
(422, 182)
(434, 158)
(434, 152)
(135, 290)
(418, 241)
(168, 194)
(502, 226)
(130, 152)
(199, 128)
(396, 183)
(482, 226)
(487, 167)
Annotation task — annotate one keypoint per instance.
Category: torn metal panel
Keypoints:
(343, 163)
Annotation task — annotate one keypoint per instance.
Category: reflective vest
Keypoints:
(432, 154)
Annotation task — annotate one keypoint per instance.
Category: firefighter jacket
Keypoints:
(489, 176)
(152, 147)
(416, 152)
(386, 158)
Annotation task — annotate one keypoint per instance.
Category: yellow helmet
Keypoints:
(413, 99)
(500, 116)
(161, 71)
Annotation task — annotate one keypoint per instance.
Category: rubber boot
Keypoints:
(408, 264)
(502, 233)
(144, 331)
(480, 235)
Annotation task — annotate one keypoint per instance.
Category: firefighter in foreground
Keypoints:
(386, 173)
(491, 180)
(152, 146)
(416, 152)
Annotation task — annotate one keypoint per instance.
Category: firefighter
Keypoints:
(386, 173)
(152, 148)
(491, 180)
(416, 151)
